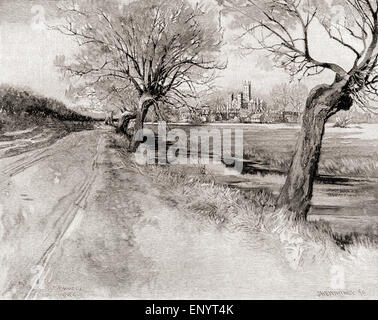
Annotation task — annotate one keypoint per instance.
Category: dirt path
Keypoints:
(78, 221)
(41, 193)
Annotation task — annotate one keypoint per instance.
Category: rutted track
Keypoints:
(27, 160)
(26, 272)
(65, 223)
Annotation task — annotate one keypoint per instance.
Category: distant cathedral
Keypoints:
(247, 91)
(245, 100)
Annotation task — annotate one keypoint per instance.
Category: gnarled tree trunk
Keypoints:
(145, 102)
(124, 122)
(323, 102)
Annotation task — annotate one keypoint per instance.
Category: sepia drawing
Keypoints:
(187, 149)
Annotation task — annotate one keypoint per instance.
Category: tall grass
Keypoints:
(356, 166)
(353, 166)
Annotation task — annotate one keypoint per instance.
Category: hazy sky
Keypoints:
(28, 50)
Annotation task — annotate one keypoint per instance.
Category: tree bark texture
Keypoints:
(323, 102)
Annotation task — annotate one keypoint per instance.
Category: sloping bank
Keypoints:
(317, 262)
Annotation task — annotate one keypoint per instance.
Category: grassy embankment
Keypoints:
(28, 121)
(303, 243)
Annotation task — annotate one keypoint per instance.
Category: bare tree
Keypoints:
(111, 96)
(282, 28)
(164, 49)
(105, 95)
(289, 97)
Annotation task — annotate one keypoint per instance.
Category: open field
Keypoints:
(346, 194)
(349, 152)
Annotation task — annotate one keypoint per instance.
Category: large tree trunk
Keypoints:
(145, 102)
(323, 102)
(124, 122)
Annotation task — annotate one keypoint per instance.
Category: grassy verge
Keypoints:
(308, 247)
(304, 244)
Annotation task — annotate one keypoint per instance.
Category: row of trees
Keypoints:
(164, 52)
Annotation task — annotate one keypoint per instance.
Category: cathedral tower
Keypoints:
(247, 91)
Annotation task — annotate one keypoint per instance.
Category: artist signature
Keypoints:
(342, 293)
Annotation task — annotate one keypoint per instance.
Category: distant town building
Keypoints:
(243, 106)
(245, 101)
